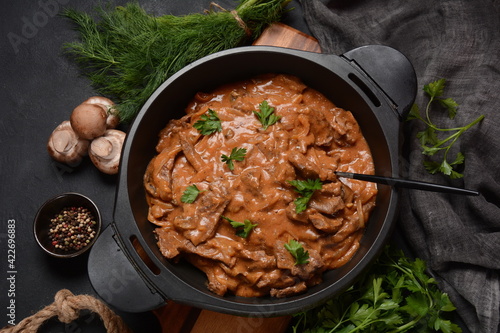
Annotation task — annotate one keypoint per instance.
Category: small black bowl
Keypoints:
(50, 209)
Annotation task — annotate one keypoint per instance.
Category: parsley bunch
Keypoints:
(429, 140)
(394, 295)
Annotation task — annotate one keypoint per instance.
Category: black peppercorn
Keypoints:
(72, 229)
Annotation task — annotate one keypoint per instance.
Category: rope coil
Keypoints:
(66, 307)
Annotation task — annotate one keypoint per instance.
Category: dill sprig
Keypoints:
(127, 54)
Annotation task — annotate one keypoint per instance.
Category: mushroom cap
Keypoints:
(88, 121)
(105, 151)
(99, 100)
(65, 146)
(113, 118)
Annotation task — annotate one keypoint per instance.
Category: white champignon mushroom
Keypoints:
(88, 121)
(113, 118)
(65, 146)
(105, 151)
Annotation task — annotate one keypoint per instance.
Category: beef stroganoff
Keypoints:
(244, 187)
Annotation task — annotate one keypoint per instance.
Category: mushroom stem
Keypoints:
(62, 141)
(65, 146)
(105, 151)
(102, 147)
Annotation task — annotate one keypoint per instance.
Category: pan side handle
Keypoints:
(116, 280)
(390, 70)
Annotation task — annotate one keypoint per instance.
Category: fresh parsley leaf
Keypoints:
(414, 113)
(306, 189)
(444, 325)
(301, 203)
(266, 116)
(242, 229)
(456, 175)
(392, 319)
(436, 88)
(297, 251)
(445, 167)
(429, 151)
(430, 141)
(450, 105)
(237, 154)
(416, 304)
(394, 295)
(209, 123)
(459, 159)
(428, 137)
(303, 187)
(432, 167)
(361, 313)
(190, 194)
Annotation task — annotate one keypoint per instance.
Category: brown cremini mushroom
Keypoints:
(65, 146)
(105, 151)
(112, 119)
(88, 121)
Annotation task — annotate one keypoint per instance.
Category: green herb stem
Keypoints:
(455, 136)
(429, 140)
(427, 109)
(407, 326)
(462, 129)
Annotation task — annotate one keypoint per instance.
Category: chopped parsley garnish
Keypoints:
(209, 123)
(429, 140)
(306, 189)
(297, 251)
(190, 194)
(266, 116)
(242, 229)
(237, 154)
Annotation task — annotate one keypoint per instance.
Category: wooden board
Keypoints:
(178, 318)
(279, 34)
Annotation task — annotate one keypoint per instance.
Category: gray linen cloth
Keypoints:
(458, 40)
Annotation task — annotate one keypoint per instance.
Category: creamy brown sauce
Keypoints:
(312, 139)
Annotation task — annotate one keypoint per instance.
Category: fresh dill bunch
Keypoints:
(127, 54)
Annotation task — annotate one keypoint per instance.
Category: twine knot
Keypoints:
(66, 310)
(238, 19)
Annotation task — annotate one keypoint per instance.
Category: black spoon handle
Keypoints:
(406, 183)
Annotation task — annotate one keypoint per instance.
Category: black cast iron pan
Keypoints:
(126, 268)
